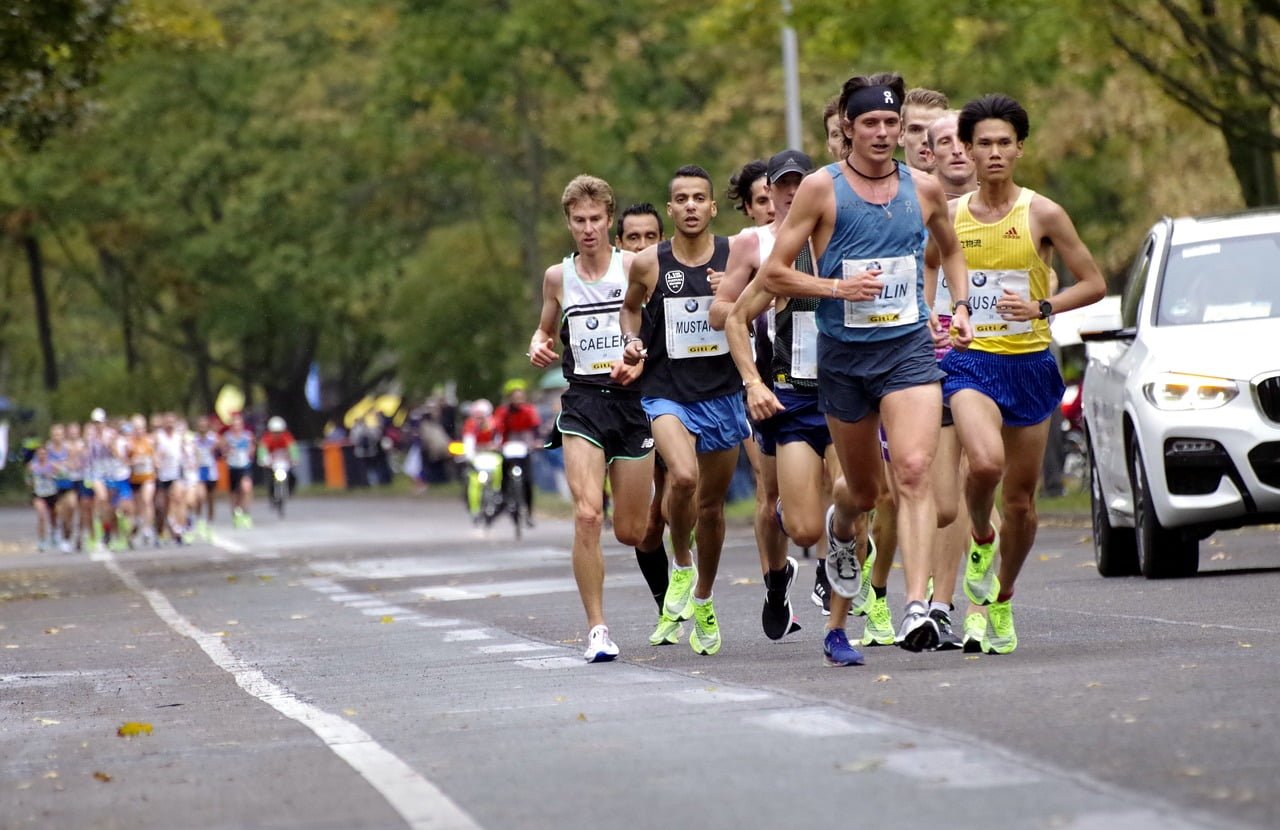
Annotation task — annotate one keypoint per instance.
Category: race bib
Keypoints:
(689, 332)
(897, 304)
(942, 299)
(985, 290)
(804, 345)
(596, 341)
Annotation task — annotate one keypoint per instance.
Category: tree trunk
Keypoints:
(1255, 169)
(44, 327)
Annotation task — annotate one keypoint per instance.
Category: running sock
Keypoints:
(944, 607)
(881, 590)
(653, 566)
(697, 601)
(991, 537)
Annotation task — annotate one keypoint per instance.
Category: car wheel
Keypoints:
(1115, 549)
(1162, 553)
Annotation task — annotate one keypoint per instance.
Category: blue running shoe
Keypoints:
(837, 651)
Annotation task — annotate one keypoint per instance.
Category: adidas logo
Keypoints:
(1012, 233)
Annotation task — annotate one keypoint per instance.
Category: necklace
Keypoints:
(888, 201)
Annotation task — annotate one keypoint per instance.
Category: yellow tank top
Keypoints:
(999, 255)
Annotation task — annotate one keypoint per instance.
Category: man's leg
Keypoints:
(949, 538)
(651, 553)
(1024, 448)
(771, 542)
(911, 422)
(801, 481)
(678, 448)
(631, 481)
(979, 425)
(715, 472)
(584, 470)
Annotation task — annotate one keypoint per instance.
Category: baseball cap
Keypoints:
(788, 161)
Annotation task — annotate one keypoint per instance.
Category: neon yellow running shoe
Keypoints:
(879, 628)
(975, 628)
(668, 632)
(1001, 638)
(705, 637)
(865, 596)
(980, 583)
(678, 601)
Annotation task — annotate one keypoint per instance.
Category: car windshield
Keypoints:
(1221, 281)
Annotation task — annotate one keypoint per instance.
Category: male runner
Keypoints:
(920, 108)
(601, 422)
(866, 220)
(692, 393)
(1003, 390)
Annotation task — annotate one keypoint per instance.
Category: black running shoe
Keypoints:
(821, 595)
(948, 640)
(776, 617)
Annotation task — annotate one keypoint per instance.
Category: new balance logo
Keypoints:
(1012, 233)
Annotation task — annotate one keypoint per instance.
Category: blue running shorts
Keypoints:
(1026, 387)
(719, 423)
(854, 377)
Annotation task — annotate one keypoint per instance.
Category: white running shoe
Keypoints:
(600, 649)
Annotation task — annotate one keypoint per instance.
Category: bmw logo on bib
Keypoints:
(979, 278)
(593, 323)
(675, 281)
(690, 305)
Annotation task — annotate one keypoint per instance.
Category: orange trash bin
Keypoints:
(335, 470)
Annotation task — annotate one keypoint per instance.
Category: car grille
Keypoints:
(1265, 460)
(1267, 393)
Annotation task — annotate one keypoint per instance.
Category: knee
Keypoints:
(682, 484)
(803, 530)
(912, 471)
(631, 534)
(1018, 507)
(588, 519)
(985, 471)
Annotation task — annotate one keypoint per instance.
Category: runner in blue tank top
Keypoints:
(865, 218)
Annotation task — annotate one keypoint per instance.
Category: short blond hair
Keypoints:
(590, 189)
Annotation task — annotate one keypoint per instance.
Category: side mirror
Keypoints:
(1109, 335)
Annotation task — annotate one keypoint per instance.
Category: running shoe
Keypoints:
(919, 632)
(837, 651)
(866, 594)
(821, 595)
(980, 583)
(776, 616)
(879, 628)
(678, 603)
(975, 628)
(842, 561)
(1001, 638)
(705, 636)
(948, 640)
(668, 632)
(600, 649)
(777, 516)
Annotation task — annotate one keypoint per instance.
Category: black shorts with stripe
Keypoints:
(612, 419)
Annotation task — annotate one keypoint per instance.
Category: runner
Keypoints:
(601, 424)
(692, 395)
(866, 219)
(171, 497)
(1003, 390)
(237, 447)
(920, 108)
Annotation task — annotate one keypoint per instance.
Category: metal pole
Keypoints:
(792, 79)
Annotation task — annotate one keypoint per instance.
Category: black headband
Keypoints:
(870, 98)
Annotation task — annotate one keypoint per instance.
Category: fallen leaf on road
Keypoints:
(265, 577)
(297, 616)
(1084, 540)
(883, 678)
(102, 776)
(132, 728)
(348, 711)
(233, 622)
(492, 596)
(216, 634)
(1245, 645)
(1093, 685)
(52, 630)
(1218, 557)
(582, 716)
(47, 721)
(387, 618)
(12, 645)
(560, 698)
(944, 685)
(865, 765)
(1188, 666)
(53, 773)
(233, 578)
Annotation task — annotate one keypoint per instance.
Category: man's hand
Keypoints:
(961, 329)
(761, 402)
(541, 354)
(713, 279)
(861, 287)
(626, 373)
(1016, 309)
(634, 351)
(941, 339)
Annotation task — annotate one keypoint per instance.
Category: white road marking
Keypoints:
(466, 635)
(403, 567)
(222, 542)
(544, 663)
(713, 694)
(971, 769)
(515, 648)
(515, 588)
(419, 802)
(816, 723)
(438, 622)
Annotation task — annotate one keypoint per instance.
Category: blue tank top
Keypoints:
(866, 231)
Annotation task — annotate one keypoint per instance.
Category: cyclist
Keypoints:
(479, 436)
(517, 420)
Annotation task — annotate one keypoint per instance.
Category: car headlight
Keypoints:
(1178, 391)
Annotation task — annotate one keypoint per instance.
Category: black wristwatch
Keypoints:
(1046, 308)
(964, 303)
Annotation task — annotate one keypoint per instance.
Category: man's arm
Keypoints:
(778, 273)
(761, 402)
(641, 278)
(744, 260)
(942, 233)
(1061, 232)
(541, 345)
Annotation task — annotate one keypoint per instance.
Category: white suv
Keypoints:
(1182, 398)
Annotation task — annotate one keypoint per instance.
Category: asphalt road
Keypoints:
(369, 664)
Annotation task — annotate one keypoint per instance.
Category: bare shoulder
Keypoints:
(928, 188)
(554, 275)
(745, 242)
(1045, 209)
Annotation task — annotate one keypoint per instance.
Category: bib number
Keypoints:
(596, 341)
(897, 304)
(985, 290)
(804, 345)
(689, 332)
